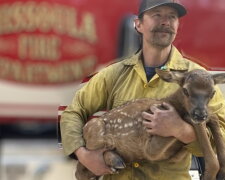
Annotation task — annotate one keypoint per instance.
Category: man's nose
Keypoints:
(165, 20)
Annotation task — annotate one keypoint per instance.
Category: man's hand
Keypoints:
(167, 123)
(93, 160)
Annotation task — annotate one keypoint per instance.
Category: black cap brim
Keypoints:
(180, 9)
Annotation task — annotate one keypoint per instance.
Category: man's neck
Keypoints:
(154, 57)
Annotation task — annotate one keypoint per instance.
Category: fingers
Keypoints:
(147, 116)
(148, 120)
(154, 108)
(151, 131)
(149, 126)
(157, 109)
(161, 107)
(167, 106)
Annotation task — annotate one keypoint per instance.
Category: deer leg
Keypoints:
(211, 163)
(179, 156)
(161, 148)
(220, 145)
(114, 161)
(96, 138)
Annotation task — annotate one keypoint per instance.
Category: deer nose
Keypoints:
(200, 114)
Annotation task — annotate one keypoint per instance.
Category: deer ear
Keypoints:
(171, 76)
(219, 78)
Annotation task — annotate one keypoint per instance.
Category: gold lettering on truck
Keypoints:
(45, 17)
(41, 32)
(45, 73)
(38, 47)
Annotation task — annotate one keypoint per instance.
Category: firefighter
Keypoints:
(132, 78)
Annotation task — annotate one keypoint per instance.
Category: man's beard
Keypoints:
(162, 40)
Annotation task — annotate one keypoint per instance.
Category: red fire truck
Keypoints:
(47, 46)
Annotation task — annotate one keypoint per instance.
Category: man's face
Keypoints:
(158, 26)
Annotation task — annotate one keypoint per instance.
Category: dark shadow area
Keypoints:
(29, 130)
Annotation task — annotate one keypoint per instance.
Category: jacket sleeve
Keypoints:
(88, 100)
(217, 106)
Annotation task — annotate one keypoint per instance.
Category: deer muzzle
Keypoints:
(199, 115)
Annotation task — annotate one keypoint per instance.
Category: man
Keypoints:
(157, 22)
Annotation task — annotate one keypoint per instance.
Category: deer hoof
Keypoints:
(118, 163)
(114, 160)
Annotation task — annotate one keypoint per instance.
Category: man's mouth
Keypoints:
(168, 31)
(163, 32)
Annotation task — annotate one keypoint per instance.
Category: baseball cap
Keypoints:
(149, 4)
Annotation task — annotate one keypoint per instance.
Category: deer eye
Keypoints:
(185, 92)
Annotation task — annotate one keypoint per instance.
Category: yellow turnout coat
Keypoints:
(108, 89)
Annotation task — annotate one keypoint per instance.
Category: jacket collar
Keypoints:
(176, 60)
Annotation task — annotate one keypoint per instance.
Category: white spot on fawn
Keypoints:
(139, 119)
(130, 124)
(123, 113)
(125, 134)
(99, 123)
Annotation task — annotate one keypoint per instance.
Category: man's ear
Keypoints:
(137, 23)
(219, 78)
(171, 76)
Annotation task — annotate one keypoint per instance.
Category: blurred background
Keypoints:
(48, 46)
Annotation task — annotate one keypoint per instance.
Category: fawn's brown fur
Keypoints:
(122, 131)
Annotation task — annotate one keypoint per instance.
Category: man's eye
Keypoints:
(157, 15)
(173, 17)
